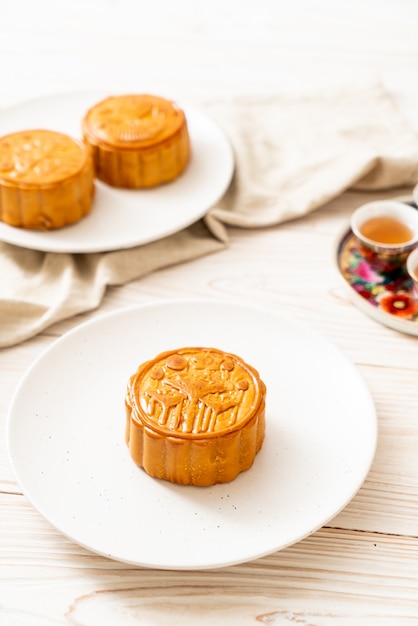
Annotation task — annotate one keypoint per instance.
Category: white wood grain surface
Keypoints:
(362, 568)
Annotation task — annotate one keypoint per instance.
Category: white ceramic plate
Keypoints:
(66, 439)
(123, 218)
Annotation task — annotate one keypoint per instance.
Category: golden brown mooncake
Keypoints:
(137, 140)
(46, 180)
(195, 416)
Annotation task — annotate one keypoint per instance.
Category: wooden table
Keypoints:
(362, 567)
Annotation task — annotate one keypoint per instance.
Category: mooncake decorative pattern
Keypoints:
(46, 180)
(137, 140)
(195, 416)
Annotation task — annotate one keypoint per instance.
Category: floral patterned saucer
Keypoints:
(383, 293)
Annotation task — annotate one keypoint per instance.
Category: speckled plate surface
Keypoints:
(384, 294)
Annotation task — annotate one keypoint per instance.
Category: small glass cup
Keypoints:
(386, 231)
(412, 269)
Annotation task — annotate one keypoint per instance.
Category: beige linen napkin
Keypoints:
(292, 154)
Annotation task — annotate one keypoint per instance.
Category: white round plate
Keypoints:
(66, 439)
(123, 218)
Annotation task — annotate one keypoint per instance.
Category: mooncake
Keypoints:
(195, 416)
(46, 180)
(137, 140)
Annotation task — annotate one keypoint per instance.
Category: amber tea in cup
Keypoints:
(386, 230)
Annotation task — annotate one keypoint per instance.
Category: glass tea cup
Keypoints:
(386, 231)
